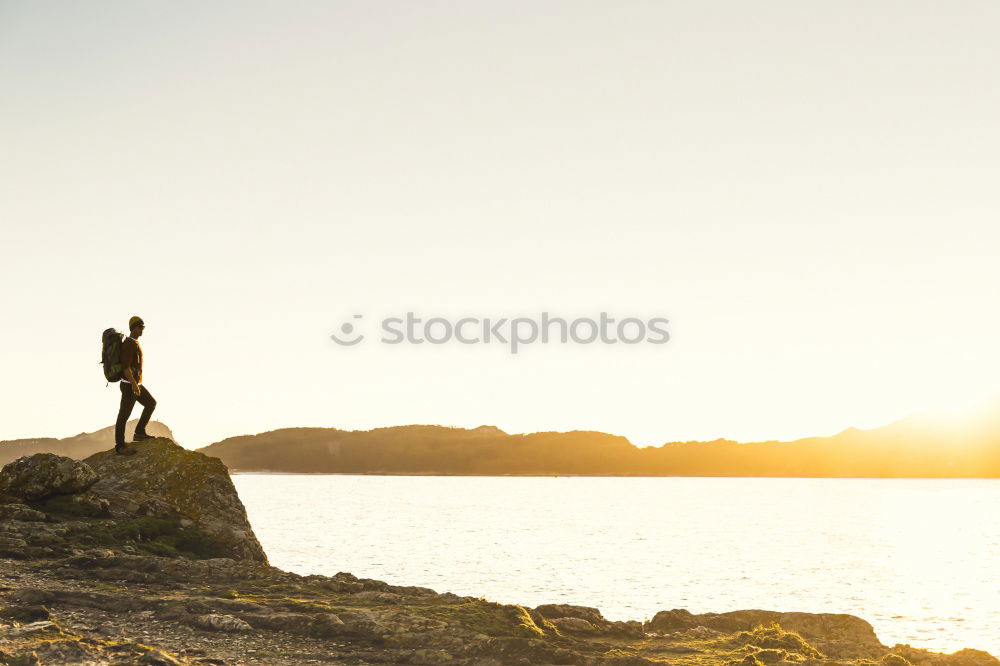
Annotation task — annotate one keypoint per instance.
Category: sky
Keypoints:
(806, 191)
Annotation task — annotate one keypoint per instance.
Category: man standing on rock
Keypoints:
(132, 389)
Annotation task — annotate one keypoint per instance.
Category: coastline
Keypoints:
(151, 559)
(130, 608)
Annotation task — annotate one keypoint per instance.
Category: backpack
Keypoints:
(111, 354)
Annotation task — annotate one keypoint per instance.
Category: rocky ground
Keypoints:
(149, 559)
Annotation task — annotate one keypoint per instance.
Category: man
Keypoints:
(132, 389)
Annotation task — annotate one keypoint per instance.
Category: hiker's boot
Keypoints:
(140, 436)
(124, 451)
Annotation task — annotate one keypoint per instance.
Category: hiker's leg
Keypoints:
(148, 403)
(124, 411)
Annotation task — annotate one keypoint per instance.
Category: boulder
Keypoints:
(834, 634)
(219, 622)
(43, 475)
(670, 621)
(20, 512)
(555, 611)
(627, 629)
(917, 657)
(575, 625)
(166, 481)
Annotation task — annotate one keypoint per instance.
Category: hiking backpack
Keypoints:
(111, 354)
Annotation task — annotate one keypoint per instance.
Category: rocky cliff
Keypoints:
(149, 559)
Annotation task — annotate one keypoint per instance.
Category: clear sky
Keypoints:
(808, 191)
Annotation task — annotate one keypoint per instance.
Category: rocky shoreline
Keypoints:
(150, 559)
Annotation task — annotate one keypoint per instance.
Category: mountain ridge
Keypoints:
(903, 449)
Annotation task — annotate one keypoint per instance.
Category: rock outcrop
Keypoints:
(834, 634)
(149, 559)
(164, 480)
(164, 500)
(44, 475)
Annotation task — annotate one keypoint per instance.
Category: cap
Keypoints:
(135, 321)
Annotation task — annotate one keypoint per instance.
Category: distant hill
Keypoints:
(78, 446)
(910, 448)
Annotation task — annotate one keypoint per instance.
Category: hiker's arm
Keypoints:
(128, 352)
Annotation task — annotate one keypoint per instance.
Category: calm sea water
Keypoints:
(919, 559)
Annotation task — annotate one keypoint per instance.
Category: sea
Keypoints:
(917, 558)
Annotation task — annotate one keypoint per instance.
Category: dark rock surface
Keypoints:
(165, 480)
(44, 475)
(155, 563)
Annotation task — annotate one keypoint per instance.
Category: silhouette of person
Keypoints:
(132, 389)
